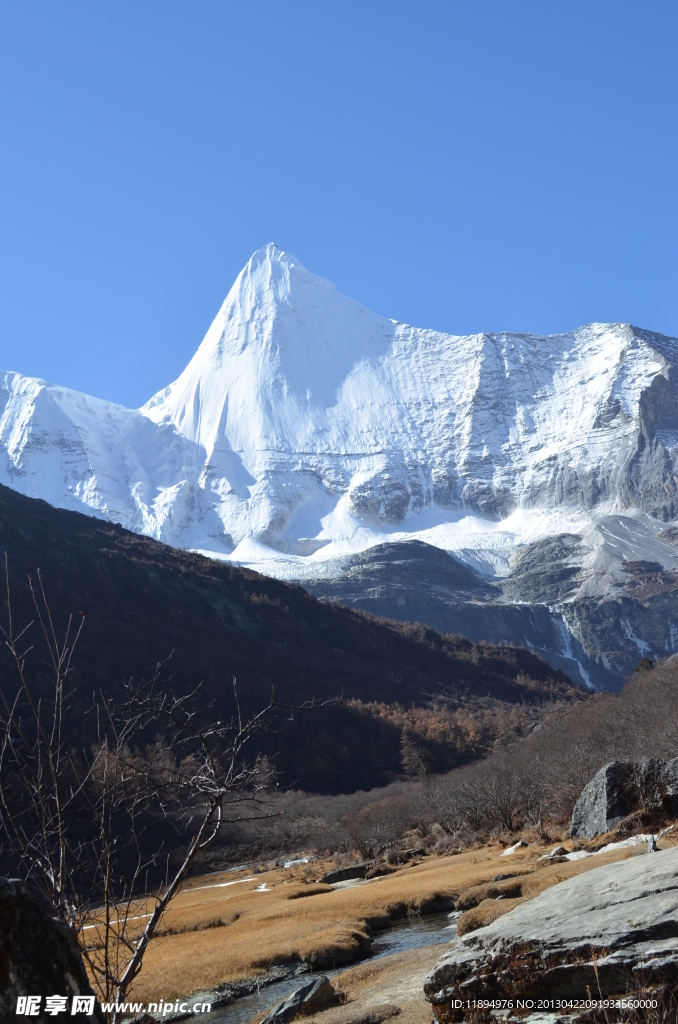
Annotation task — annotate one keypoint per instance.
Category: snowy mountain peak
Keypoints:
(307, 424)
(281, 345)
(307, 429)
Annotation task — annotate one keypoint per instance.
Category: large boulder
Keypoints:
(620, 788)
(614, 926)
(38, 955)
(604, 801)
(310, 998)
(345, 874)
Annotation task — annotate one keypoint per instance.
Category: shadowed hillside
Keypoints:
(143, 600)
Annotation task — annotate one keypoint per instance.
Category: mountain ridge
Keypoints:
(377, 423)
(307, 429)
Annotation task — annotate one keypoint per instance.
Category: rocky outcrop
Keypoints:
(618, 789)
(652, 480)
(304, 1001)
(604, 802)
(38, 955)
(669, 786)
(347, 873)
(616, 926)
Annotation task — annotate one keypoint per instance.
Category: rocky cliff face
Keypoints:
(593, 604)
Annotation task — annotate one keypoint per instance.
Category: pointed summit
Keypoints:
(304, 421)
(306, 429)
(281, 345)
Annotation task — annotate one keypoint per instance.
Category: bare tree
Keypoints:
(79, 825)
(40, 780)
(195, 778)
(534, 797)
(503, 793)
(378, 826)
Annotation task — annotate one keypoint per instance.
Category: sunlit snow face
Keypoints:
(306, 427)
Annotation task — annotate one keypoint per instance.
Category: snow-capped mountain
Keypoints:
(307, 428)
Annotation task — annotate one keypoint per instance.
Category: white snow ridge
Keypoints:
(306, 427)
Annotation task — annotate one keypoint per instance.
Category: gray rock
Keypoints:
(308, 999)
(615, 792)
(556, 854)
(626, 914)
(38, 955)
(345, 874)
(604, 801)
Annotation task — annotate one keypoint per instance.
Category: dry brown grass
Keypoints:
(485, 913)
(327, 927)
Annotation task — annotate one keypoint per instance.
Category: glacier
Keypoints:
(307, 429)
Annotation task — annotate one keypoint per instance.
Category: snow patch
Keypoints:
(585, 676)
(641, 644)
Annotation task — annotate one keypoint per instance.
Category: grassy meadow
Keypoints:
(226, 927)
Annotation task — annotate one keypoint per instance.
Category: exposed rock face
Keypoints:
(38, 956)
(593, 604)
(615, 791)
(308, 999)
(653, 483)
(626, 914)
(669, 780)
(603, 802)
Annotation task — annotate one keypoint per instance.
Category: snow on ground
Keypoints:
(483, 543)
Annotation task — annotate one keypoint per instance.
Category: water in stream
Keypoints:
(410, 933)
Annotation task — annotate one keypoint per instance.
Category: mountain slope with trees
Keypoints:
(144, 601)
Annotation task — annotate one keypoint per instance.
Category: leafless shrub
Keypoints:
(79, 825)
(378, 826)
(502, 788)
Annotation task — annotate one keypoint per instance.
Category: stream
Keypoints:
(410, 933)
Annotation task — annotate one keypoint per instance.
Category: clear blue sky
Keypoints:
(463, 166)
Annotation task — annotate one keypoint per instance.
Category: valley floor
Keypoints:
(225, 928)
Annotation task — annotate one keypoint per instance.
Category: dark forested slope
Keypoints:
(143, 600)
